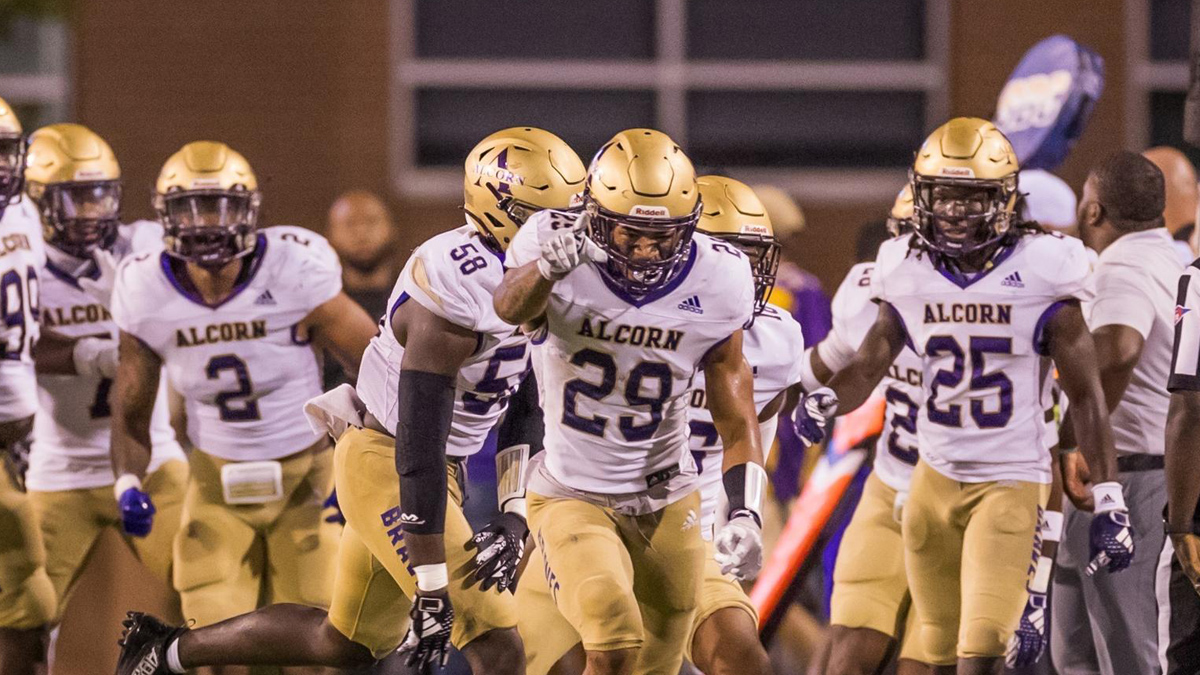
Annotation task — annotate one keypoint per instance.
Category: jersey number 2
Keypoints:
(608, 382)
(243, 408)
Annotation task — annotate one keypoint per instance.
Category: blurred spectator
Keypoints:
(361, 230)
(799, 292)
(1183, 196)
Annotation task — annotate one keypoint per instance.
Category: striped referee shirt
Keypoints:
(1185, 362)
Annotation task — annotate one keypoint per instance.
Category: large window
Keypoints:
(33, 70)
(1157, 48)
(827, 97)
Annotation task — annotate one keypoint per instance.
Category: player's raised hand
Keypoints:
(1111, 533)
(499, 547)
(427, 642)
(137, 509)
(813, 413)
(1028, 644)
(101, 288)
(568, 248)
(739, 547)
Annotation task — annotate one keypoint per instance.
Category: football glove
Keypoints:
(499, 547)
(100, 289)
(1026, 645)
(137, 512)
(813, 414)
(739, 547)
(568, 248)
(16, 462)
(427, 642)
(332, 503)
(1111, 534)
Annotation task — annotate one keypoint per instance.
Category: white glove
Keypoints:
(101, 288)
(739, 547)
(567, 249)
(95, 357)
(898, 505)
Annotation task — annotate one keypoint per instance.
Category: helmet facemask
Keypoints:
(764, 254)
(644, 252)
(962, 217)
(12, 169)
(209, 227)
(79, 218)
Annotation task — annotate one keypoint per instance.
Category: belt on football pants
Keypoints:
(1140, 463)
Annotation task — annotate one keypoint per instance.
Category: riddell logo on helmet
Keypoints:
(199, 183)
(85, 174)
(958, 171)
(652, 211)
(756, 229)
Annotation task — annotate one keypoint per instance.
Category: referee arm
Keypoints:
(1183, 427)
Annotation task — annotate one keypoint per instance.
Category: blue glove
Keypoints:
(1111, 542)
(137, 512)
(332, 503)
(1028, 644)
(813, 414)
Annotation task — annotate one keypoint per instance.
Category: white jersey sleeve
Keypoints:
(452, 275)
(526, 247)
(616, 369)
(245, 367)
(22, 256)
(773, 346)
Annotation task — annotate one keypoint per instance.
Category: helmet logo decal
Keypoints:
(500, 171)
(652, 211)
(958, 171)
(753, 228)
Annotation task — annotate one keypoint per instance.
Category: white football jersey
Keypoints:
(986, 370)
(22, 255)
(71, 431)
(452, 275)
(853, 315)
(773, 346)
(242, 366)
(615, 372)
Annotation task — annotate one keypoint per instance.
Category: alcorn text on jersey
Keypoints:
(984, 348)
(22, 255)
(853, 315)
(773, 346)
(614, 371)
(71, 429)
(452, 275)
(244, 366)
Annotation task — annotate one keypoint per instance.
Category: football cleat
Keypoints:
(144, 645)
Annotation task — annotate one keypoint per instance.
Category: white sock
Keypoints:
(173, 664)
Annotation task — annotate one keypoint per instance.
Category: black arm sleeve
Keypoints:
(523, 423)
(424, 414)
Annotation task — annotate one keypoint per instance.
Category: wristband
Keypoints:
(834, 352)
(1041, 576)
(1052, 526)
(124, 482)
(808, 379)
(1108, 497)
(512, 465)
(432, 577)
(745, 487)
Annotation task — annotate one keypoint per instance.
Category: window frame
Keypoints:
(1145, 76)
(671, 76)
(51, 85)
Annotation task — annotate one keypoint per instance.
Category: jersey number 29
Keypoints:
(646, 370)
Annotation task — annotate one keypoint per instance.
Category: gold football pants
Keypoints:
(870, 587)
(623, 581)
(968, 550)
(73, 520)
(231, 559)
(374, 575)
(26, 594)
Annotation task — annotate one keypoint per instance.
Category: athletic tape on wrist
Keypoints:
(808, 379)
(834, 352)
(512, 465)
(1041, 576)
(126, 481)
(1108, 497)
(1052, 526)
(432, 577)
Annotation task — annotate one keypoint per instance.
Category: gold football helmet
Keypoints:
(12, 156)
(964, 185)
(514, 173)
(900, 218)
(644, 204)
(73, 177)
(733, 212)
(207, 199)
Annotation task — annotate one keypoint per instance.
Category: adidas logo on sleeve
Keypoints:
(265, 299)
(692, 304)
(1013, 280)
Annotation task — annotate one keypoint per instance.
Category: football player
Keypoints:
(236, 315)
(627, 305)
(434, 382)
(724, 637)
(74, 180)
(870, 600)
(26, 595)
(985, 300)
